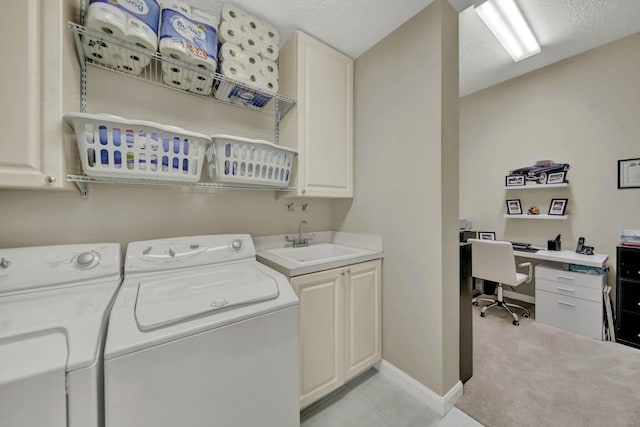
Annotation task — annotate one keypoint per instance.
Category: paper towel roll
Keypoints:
(270, 35)
(269, 52)
(107, 18)
(231, 13)
(252, 25)
(269, 69)
(205, 18)
(230, 32)
(141, 34)
(252, 44)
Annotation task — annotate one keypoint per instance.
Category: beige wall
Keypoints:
(406, 155)
(123, 213)
(582, 111)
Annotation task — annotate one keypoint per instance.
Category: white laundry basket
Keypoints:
(232, 159)
(112, 146)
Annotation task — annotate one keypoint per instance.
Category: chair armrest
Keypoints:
(530, 273)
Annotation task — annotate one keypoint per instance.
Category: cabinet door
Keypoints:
(321, 126)
(362, 317)
(31, 154)
(321, 336)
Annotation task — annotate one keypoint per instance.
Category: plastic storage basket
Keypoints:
(112, 146)
(233, 159)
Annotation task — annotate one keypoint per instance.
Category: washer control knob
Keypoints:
(194, 246)
(236, 245)
(5, 263)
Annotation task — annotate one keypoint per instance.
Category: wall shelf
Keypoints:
(541, 216)
(83, 181)
(537, 186)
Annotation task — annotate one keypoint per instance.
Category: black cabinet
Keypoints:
(466, 311)
(628, 296)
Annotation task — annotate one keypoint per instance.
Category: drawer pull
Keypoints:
(568, 290)
(566, 303)
(566, 277)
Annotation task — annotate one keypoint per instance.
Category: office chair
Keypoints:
(494, 260)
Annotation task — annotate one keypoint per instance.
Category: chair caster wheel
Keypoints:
(526, 315)
(475, 303)
(516, 323)
(481, 314)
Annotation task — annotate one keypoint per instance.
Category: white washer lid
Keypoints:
(161, 302)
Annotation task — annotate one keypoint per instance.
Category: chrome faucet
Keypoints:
(301, 240)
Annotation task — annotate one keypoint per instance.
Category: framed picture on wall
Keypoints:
(486, 235)
(629, 173)
(514, 180)
(558, 206)
(514, 207)
(556, 178)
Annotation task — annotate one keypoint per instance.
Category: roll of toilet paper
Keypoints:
(270, 35)
(269, 69)
(269, 52)
(201, 85)
(107, 18)
(228, 51)
(234, 70)
(252, 44)
(231, 13)
(140, 34)
(270, 84)
(99, 50)
(174, 48)
(252, 25)
(230, 32)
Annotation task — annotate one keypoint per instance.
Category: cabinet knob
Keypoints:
(50, 179)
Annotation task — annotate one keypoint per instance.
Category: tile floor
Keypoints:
(373, 400)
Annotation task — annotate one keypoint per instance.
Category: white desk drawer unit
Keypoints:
(569, 300)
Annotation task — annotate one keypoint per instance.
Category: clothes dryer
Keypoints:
(54, 303)
(201, 334)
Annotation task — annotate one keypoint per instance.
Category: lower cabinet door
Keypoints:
(321, 333)
(362, 317)
(573, 314)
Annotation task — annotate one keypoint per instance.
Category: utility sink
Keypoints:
(319, 253)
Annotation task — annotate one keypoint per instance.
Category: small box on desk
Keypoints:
(467, 234)
(554, 245)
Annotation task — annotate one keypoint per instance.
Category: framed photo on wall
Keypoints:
(558, 206)
(514, 207)
(629, 173)
(514, 180)
(556, 178)
(486, 235)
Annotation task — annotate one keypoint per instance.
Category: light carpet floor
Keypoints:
(538, 375)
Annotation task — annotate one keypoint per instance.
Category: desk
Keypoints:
(569, 300)
(566, 256)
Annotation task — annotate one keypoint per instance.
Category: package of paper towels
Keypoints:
(190, 36)
(133, 21)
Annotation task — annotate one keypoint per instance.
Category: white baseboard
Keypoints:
(438, 403)
(519, 296)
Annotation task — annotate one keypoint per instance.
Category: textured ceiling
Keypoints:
(563, 27)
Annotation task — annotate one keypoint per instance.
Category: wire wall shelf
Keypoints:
(83, 181)
(147, 65)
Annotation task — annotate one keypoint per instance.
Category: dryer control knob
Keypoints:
(85, 259)
(236, 245)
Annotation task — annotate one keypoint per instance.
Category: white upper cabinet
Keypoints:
(320, 127)
(31, 147)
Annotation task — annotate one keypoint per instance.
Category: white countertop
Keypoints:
(371, 245)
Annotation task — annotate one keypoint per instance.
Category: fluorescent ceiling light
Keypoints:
(504, 19)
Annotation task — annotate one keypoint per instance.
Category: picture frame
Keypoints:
(486, 235)
(629, 173)
(558, 206)
(556, 178)
(514, 207)
(514, 181)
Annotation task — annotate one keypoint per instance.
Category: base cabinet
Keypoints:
(340, 326)
(628, 296)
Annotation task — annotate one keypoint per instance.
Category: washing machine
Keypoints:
(201, 334)
(54, 303)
